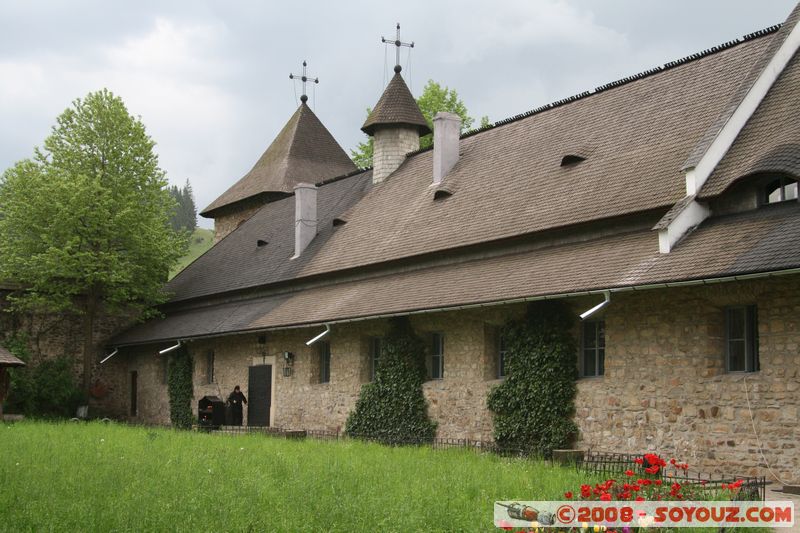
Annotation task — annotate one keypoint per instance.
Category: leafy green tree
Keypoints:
(434, 98)
(85, 225)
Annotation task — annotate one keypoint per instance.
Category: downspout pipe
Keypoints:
(170, 349)
(596, 308)
(318, 337)
(109, 356)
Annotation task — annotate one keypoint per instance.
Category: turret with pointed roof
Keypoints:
(396, 123)
(303, 151)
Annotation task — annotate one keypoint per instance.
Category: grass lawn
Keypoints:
(109, 477)
(200, 242)
(98, 477)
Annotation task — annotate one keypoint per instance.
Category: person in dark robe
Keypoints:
(235, 400)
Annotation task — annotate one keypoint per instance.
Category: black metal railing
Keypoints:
(608, 464)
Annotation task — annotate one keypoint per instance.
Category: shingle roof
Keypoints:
(237, 262)
(744, 86)
(756, 241)
(303, 151)
(508, 181)
(770, 141)
(507, 184)
(396, 106)
(8, 359)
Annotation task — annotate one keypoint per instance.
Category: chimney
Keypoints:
(446, 133)
(305, 216)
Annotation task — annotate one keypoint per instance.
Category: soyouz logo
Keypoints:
(524, 514)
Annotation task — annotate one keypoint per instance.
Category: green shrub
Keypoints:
(533, 407)
(392, 409)
(48, 389)
(179, 385)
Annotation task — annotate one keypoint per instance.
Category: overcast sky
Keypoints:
(210, 79)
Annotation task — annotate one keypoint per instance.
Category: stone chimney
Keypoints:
(305, 216)
(446, 134)
(396, 124)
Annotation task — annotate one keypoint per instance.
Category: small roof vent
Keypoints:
(441, 194)
(571, 160)
(261, 242)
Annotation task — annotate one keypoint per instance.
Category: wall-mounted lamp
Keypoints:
(288, 360)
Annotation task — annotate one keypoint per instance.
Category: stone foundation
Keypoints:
(665, 388)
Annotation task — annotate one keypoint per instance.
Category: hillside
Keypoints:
(202, 240)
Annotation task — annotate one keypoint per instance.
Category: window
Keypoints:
(324, 361)
(741, 339)
(210, 367)
(780, 190)
(437, 356)
(593, 349)
(374, 355)
(501, 355)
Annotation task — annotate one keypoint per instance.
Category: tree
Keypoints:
(434, 98)
(85, 223)
(185, 216)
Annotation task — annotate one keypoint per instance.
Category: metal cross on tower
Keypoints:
(304, 78)
(397, 43)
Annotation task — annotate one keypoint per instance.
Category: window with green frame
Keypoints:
(437, 356)
(741, 339)
(324, 348)
(593, 349)
(374, 355)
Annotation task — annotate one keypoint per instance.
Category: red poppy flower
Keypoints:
(652, 469)
(568, 495)
(640, 498)
(658, 482)
(629, 472)
(606, 497)
(638, 461)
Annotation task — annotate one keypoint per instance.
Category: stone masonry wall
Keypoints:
(224, 224)
(665, 388)
(391, 146)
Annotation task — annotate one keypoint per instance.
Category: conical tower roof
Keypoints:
(396, 106)
(304, 151)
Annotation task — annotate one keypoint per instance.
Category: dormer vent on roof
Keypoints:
(570, 160)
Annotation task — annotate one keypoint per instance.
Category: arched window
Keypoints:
(780, 190)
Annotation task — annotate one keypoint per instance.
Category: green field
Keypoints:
(98, 477)
(200, 242)
(110, 477)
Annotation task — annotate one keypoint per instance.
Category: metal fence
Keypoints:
(608, 464)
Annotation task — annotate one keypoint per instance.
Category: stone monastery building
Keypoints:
(672, 196)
